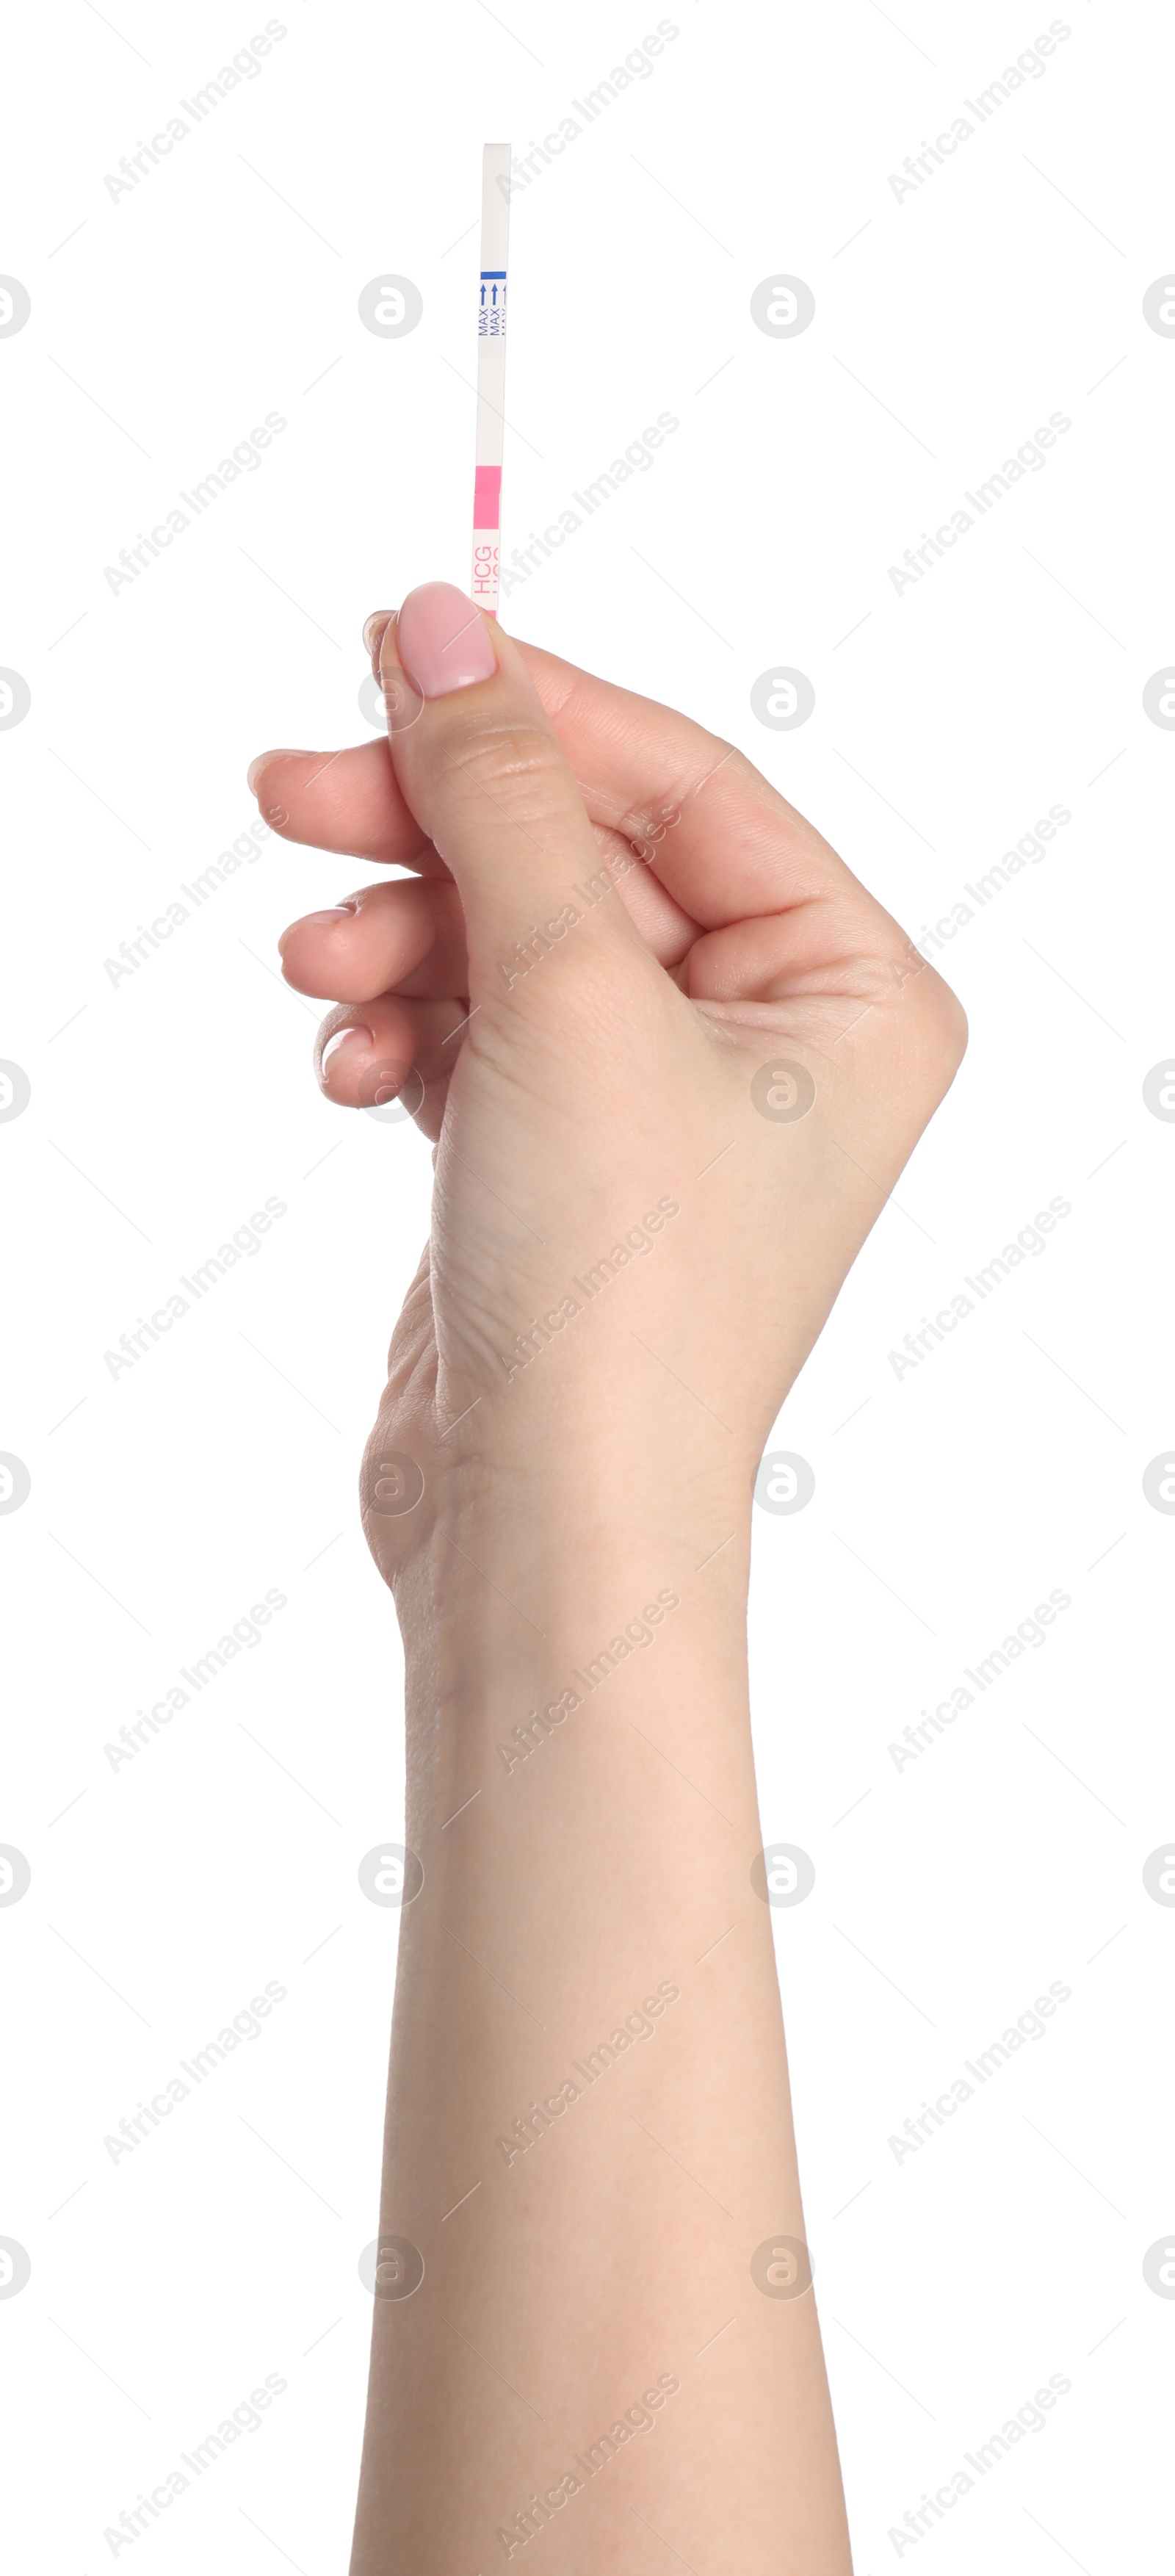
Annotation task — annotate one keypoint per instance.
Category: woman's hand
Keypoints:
(673, 1054)
(674, 1058)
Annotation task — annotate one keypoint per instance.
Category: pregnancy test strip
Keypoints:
(491, 373)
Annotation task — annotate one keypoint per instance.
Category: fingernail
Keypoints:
(375, 624)
(442, 642)
(349, 1041)
(255, 768)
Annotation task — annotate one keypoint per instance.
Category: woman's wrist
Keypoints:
(614, 1612)
(554, 1499)
(522, 1568)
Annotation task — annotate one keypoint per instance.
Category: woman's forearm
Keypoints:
(589, 2134)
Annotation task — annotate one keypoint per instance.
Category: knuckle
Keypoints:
(518, 765)
(933, 1027)
(946, 1026)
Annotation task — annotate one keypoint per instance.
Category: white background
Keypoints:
(949, 324)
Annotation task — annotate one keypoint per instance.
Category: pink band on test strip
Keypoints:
(487, 496)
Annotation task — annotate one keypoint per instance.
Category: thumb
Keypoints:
(484, 773)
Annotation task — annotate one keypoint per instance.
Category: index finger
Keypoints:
(724, 844)
(721, 839)
(349, 801)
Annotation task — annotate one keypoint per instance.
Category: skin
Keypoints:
(572, 1483)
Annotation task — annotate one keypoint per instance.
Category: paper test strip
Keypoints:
(491, 373)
